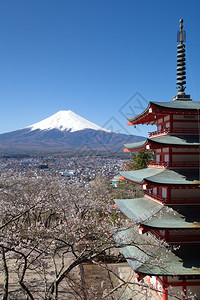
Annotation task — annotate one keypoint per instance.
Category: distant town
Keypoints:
(78, 170)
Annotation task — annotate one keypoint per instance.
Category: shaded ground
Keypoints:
(88, 282)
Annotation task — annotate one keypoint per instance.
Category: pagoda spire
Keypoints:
(181, 60)
(181, 69)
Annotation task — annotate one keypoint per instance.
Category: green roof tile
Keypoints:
(176, 105)
(179, 104)
(136, 145)
(192, 140)
(149, 213)
(148, 256)
(162, 176)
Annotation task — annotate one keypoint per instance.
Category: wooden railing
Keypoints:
(152, 163)
(185, 200)
(185, 130)
(191, 131)
(159, 132)
(156, 197)
(183, 238)
(174, 200)
(182, 164)
(185, 164)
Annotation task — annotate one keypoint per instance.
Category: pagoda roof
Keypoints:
(152, 214)
(162, 176)
(187, 141)
(148, 256)
(149, 116)
(179, 104)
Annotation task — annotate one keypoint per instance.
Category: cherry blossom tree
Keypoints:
(48, 229)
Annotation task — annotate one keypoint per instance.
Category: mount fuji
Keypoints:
(65, 120)
(64, 132)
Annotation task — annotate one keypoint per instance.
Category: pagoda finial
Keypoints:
(181, 73)
(181, 33)
(181, 60)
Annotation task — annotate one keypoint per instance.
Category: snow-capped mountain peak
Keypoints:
(65, 120)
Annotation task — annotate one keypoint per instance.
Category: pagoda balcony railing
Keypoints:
(164, 164)
(183, 238)
(185, 164)
(178, 238)
(161, 164)
(185, 130)
(174, 200)
(156, 197)
(158, 132)
(185, 200)
(191, 131)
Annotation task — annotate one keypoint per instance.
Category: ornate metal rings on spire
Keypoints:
(181, 60)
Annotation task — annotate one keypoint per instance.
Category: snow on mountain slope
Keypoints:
(65, 120)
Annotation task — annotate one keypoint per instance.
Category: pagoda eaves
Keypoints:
(155, 109)
(163, 176)
(181, 262)
(144, 211)
(163, 141)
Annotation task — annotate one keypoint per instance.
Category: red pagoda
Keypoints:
(164, 247)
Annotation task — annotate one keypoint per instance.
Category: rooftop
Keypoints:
(165, 108)
(148, 256)
(187, 141)
(162, 176)
(149, 213)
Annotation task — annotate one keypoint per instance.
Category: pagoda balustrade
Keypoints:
(159, 132)
(164, 131)
(184, 200)
(157, 164)
(164, 164)
(190, 131)
(185, 164)
(174, 200)
(177, 238)
(156, 197)
(183, 238)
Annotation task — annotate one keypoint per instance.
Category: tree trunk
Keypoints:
(82, 274)
(22, 284)
(6, 276)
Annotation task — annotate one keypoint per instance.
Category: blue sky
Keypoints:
(98, 58)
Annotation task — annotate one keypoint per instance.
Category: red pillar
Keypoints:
(165, 291)
(184, 289)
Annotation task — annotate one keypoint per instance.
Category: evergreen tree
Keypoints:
(139, 160)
